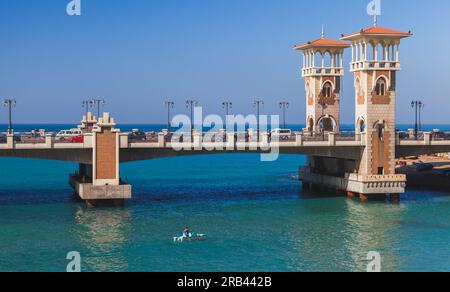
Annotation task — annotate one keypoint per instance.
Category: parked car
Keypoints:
(403, 135)
(438, 135)
(64, 135)
(77, 139)
(3, 138)
(137, 135)
(282, 134)
(35, 133)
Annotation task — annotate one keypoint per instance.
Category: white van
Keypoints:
(66, 134)
(282, 134)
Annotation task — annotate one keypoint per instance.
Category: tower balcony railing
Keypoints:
(311, 71)
(375, 65)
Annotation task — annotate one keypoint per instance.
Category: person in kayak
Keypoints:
(187, 232)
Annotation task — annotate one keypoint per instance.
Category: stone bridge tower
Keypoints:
(375, 63)
(323, 70)
(371, 171)
(99, 183)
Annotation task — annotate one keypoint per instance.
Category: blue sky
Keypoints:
(135, 53)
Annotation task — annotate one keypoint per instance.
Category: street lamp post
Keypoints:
(323, 104)
(421, 107)
(417, 106)
(87, 104)
(227, 105)
(191, 104)
(10, 103)
(284, 105)
(98, 103)
(169, 105)
(258, 104)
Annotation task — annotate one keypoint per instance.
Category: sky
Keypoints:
(138, 53)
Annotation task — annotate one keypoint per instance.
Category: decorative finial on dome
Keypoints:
(323, 32)
(375, 20)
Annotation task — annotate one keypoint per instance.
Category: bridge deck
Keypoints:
(331, 146)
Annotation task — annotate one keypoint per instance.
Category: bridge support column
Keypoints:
(99, 183)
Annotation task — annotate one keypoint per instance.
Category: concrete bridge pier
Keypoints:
(342, 175)
(99, 183)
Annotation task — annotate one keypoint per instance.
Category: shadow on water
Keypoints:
(35, 196)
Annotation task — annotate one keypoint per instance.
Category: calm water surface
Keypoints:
(253, 213)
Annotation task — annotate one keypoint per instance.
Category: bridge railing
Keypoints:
(23, 138)
(3, 138)
(424, 136)
(316, 138)
(160, 139)
(30, 140)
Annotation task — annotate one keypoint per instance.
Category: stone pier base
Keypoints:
(368, 187)
(96, 196)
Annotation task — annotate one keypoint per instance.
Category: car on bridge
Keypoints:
(403, 135)
(137, 135)
(16, 138)
(281, 134)
(438, 135)
(65, 135)
(77, 139)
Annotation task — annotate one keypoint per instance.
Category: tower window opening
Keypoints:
(380, 88)
(327, 90)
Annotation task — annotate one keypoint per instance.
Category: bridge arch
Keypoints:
(327, 123)
(360, 125)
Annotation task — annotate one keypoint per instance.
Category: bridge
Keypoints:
(104, 148)
(161, 146)
(362, 163)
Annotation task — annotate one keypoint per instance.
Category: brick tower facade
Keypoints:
(323, 70)
(375, 63)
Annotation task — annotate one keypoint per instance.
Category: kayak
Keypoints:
(193, 237)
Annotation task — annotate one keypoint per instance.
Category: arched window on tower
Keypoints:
(327, 89)
(380, 88)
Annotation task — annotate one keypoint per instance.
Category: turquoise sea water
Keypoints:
(253, 213)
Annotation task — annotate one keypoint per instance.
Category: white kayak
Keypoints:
(194, 237)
